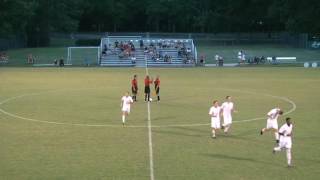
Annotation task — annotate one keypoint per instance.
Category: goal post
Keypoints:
(84, 55)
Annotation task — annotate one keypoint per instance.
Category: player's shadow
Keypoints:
(228, 157)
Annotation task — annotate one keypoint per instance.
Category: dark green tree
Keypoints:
(52, 16)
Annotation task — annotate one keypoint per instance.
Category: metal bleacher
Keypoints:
(113, 57)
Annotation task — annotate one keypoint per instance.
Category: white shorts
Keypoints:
(215, 123)
(285, 142)
(227, 120)
(126, 109)
(272, 124)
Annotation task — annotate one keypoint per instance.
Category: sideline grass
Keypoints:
(33, 150)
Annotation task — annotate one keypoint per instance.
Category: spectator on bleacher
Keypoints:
(121, 55)
(240, 56)
(274, 60)
(127, 53)
(216, 58)
(168, 44)
(133, 59)
(262, 59)
(220, 61)
(255, 60)
(243, 58)
(179, 53)
(61, 62)
(166, 58)
(146, 50)
(116, 44)
(202, 60)
(159, 44)
(55, 62)
(3, 57)
(188, 51)
(121, 46)
(154, 58)
(141, 43)
(30, 59)
(132, 46)
(158, 57)
(184, 60)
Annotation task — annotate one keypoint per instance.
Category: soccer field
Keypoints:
(65, 123)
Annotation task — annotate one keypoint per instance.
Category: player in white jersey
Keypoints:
(126, 102)
(272, 122)
(215, 113)
(227, 110)
(285, 143)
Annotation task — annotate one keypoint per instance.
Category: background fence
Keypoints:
(86, 39)
(296, 40)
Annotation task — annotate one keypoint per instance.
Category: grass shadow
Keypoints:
(236, 158)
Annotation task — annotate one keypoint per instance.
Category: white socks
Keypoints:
(289, 157)
(123, 118)
(288, 151)
(213, 133)
(226, 128)
(277, 148)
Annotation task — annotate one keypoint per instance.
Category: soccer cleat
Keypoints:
(273, 152)
(277, 142)
(222, 127)
(123, 124)
(261, 132)
(290, 166)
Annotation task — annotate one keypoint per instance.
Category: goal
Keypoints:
(87, 55)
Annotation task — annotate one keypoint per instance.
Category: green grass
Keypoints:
(42, 150)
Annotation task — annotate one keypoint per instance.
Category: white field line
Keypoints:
(150, 132)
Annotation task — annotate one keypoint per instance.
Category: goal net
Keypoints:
(84, 56)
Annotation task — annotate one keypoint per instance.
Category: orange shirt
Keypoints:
(134, 83)
(157, 82)
(147, 82)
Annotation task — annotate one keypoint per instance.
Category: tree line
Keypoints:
(34, 20)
